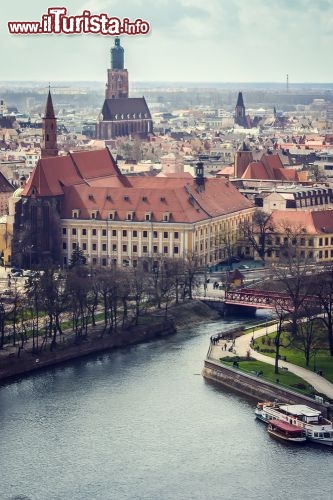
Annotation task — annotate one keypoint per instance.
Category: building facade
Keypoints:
(306, 235)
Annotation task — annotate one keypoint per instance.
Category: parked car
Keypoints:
(15, 272)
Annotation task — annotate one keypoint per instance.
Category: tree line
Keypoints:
(81, 297)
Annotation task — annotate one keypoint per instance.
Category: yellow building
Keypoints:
(307, 233)
(82, 200)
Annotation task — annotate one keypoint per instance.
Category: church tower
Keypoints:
(240, 117)
(117, 84)
(243, 158)
(49, 140)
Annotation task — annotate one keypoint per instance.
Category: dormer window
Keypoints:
(130, 215)
(126, 197)
(112, 215)
(94, 214)
(148, 216)
(166, 216)
(144, 198)
(75, 213)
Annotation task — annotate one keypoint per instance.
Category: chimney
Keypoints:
(199, 176)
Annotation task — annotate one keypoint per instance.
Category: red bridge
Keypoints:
(261, 299)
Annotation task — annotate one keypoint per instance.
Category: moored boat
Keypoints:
(286, 432)
(261, 413)
(317, 428)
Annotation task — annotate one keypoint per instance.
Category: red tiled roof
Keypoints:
(92, 181)
(270, 167)
(178, 196)
(316, 222)
(53, 173)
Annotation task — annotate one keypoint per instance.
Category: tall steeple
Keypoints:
(240, 117)
(49, 140)
(117, 84)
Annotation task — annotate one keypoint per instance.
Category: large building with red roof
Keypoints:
(83, 200)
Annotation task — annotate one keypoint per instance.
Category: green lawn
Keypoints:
(322, 361)
(284, 378)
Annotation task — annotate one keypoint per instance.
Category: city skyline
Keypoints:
(215, 41)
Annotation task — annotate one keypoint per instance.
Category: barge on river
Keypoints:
(317, 428)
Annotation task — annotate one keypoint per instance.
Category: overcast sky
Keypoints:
(189, 40)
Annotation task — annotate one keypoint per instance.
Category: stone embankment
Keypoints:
(254, 387)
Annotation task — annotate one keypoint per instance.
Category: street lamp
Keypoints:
(314, 360)
(30, 254)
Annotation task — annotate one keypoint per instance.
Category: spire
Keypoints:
(240, 118)
(244, 147)
(49, 111)
(49, 141)
(240, 101)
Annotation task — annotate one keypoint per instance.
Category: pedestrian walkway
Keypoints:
(243, 345)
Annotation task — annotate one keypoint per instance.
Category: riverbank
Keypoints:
(15, 362)
(255, 387)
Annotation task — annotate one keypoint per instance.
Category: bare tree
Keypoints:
(323, 290)
(256, 232)
(297, 285)
(191, 263)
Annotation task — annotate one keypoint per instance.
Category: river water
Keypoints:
(142, 424)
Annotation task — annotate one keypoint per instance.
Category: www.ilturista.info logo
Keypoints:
(57, 22)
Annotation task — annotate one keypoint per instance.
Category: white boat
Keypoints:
(317, 428)
(286, 432)
(261, 413)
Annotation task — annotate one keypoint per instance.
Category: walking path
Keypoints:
(243, 345)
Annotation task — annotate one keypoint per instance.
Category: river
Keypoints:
(142, 424)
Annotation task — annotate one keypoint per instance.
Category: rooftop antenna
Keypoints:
(287, 83)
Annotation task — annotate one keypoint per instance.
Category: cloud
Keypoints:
(216, 40)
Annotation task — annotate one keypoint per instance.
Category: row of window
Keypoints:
(322, 241)
(322, 254)
(279, 240)
(124, 247)
(112, 215)
(302, 254)
(124, 233)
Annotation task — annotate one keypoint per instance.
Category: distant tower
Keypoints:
(117, 84)
(287, 83)
(240, 117)
(243, 158)
(49, 140)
